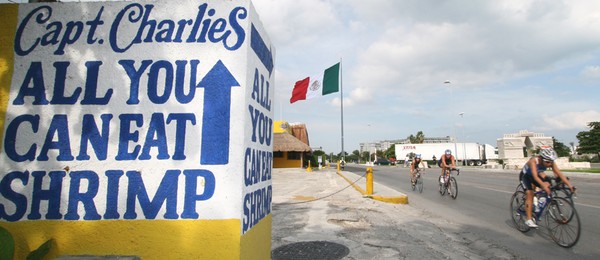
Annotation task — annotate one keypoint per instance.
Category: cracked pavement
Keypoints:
(304, 209)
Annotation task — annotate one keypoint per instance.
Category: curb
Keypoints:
(388, 199)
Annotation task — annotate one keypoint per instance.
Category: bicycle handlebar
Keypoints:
(456, 170)
(557, 184)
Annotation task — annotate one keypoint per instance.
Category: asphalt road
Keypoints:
(482, 207)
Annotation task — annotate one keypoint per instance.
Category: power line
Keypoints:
(313, 200)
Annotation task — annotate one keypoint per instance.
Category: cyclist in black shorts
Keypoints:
(532, 175)
(416, 163)
(446, 161)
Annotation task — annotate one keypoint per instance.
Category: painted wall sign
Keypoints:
(136, 111)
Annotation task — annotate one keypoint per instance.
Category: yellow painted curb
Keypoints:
(393, 200)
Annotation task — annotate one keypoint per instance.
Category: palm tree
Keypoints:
(420, 137)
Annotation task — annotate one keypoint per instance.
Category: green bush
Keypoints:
(7, 247)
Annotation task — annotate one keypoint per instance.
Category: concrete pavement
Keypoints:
(321, 215)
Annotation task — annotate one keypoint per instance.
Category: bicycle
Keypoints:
(449, 184)
(560, 216)
(418, 183)
(562, 190)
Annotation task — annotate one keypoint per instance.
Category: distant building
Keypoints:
(511, 146)
(521, 144)
(437, 140)
(290, 144)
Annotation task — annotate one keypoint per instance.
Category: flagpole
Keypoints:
(342, 108)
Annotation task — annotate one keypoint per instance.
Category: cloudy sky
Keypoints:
(512, 65)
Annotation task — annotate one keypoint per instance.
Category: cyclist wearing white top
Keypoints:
(532, 175)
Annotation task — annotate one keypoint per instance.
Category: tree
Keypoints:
(340, 154)
(314, 158)
(379, 153)
(561, 149)
(589, 141)
(365, 156)
(418, 139)
(390, 152)
(354, 156)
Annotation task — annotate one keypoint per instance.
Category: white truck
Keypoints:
(471, 153)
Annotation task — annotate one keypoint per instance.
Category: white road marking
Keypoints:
(511, 192)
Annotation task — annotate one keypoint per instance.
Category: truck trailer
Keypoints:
(469, 153)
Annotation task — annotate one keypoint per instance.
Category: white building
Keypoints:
(521, 144)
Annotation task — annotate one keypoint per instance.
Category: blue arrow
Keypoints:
(260, 48)
(217, 86)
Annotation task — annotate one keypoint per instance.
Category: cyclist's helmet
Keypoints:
(418, 156)
(548, 154)
(448, 151)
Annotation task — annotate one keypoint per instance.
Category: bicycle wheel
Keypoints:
(420, 184)
(517, 211)
(563, 222)
(565, 193)
(442, 186)
(520, 187)
(452, 187)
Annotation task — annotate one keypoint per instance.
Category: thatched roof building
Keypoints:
(285, 142)
(299, 131)
(290, 145)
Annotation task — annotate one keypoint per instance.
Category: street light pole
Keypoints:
(463, 136)
(453, 119)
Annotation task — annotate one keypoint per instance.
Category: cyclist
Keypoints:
(416, 164)
(446, 161)
(532, 175)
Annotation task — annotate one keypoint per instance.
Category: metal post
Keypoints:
(342, 109)
(369, 181)
(463, 141)
(453, 119)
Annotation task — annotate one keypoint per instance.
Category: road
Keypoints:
(482, 207)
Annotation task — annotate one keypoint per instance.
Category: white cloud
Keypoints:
(506, 60)
(571, 120)
(479, 46)
(297, 23)
(591, 72)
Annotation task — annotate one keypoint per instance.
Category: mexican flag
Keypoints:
(326, 83)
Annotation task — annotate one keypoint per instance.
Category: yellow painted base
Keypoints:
(256, 243)
(148, 239)
(8, 20)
